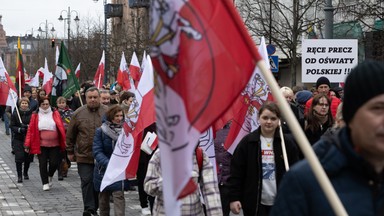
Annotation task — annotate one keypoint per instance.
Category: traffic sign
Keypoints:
(274, 63)
(271, 49)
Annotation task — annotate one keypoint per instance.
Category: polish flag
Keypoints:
(204, 58)
(244, 111)
(99, 76)
(123, 77)
(143, 61)
(48, 79)
(134, 69)
(77, 71)
(8, 94)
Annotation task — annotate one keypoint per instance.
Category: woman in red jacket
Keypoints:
(46, 138)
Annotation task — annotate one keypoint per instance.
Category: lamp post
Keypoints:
(69, 13)
(105, 40)
(46, 27)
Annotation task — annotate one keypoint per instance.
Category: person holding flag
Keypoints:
(257, 165)
(19, 129)
(203, 175)
(104, 143)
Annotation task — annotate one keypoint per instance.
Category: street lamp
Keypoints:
(46, 27)
(69, 12)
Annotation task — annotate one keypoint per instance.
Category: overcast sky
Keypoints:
(21, 16)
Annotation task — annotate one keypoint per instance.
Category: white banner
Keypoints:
(332, 58)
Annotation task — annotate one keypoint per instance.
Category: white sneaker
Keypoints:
(50, 181)
(145, 211)
(46, 187)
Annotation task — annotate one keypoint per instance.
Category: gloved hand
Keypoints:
(24, 126)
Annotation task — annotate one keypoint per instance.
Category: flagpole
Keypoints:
(283, 147)
(98, 84)
(17, 109)
(81, 100)
(302, 140)
(20, 84)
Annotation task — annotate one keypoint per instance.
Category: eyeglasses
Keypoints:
(323, 105)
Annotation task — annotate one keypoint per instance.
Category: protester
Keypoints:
(338, 124)
(80, 134)
(20, 130)
(257, 165)
(353, 159)
(223, 160)
(5, 118)
(301, 99)
(290, 97)
(126, 98)
(34, 94)
(191, 204)
(103, 145)
(323, 86)
(65, 114)
(33, 104)
(114, 96)
(319, 118)
(142, 168)
(46, 137)
(105, 97)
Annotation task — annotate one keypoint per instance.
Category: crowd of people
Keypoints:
(345, 127)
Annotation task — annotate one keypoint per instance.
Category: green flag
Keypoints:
(65, 83)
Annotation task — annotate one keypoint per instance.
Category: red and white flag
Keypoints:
(99, 76)
(143, 62)
(48, 79)
(244, 112)
(142, 115)
(134, 69)
(122, 154)
(123, 164)
(123, 77)
(77, 71)
(8, 94)
(204, 58)
(34, 82)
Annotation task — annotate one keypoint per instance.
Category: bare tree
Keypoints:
(282, 23)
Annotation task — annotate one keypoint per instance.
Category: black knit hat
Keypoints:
(365, 82)
(321, 81)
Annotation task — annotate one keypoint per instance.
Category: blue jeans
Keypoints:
(6, 122)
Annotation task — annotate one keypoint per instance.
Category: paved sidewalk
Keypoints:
(28, 198)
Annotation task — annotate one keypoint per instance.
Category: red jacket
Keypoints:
(334, 104)
(32, 140)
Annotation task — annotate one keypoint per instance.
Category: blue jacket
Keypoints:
(102, 151)
(360, 189)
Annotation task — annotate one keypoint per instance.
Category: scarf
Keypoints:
(111, 129)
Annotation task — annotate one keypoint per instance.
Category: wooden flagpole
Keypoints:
(20, 84)
(283, 147)
(81, 100)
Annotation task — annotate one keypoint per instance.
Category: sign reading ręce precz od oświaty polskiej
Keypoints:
(332, 58)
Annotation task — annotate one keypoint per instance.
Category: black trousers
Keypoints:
(49, 156)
